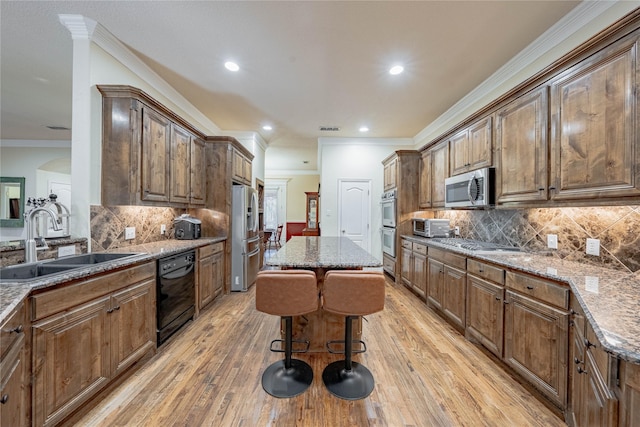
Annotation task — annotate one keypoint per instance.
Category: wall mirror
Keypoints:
(11, 202)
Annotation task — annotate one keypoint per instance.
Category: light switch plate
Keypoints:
(163, 228)
(552, 241)
(593, 247)
(129, 233)
(66, 250)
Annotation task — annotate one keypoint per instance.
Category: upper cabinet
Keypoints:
(521, 149)
(470, 148)
(424, 188)
(439, 171)
(241, 167)
(595, 116)
(152, 157)
(390, 173)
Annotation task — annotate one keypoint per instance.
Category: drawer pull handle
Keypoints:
(4, 399)
(588, 343)
(581, 371)
(577, 361)
(530, 288)
(110, 311)
(498, 298)
(18, 329)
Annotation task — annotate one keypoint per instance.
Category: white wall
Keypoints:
(354, 158)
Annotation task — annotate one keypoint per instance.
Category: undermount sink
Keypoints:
(24, 272)
(32, 271)
(92, 258)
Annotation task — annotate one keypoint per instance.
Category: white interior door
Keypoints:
(354, 211)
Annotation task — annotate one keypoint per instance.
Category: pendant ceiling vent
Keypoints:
(329, 128)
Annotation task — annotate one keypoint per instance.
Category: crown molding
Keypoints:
(247, 135)
(325, 141)
(81, 28)
(39, 143)
(581, 16)
(277, 173)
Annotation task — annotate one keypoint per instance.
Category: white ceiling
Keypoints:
(303, 64)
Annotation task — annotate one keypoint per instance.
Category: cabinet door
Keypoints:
(420, 274)
(439, 171)
(458, 152)
(390, 174)
(424, 196)
(133, 324)
(198, 172)
(436, 282)
(455, 295)
(536, 345)
(239, 167)
(485, 313)
(480, 153)
(629, 408)
(521, 149)
(406, 266)
(595, 121)
(206, 279)
(71, 360)
(13, 396)
(155, 165)
(180, 165)
(247, 172)
(218, 273)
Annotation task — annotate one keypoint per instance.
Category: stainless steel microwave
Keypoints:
(471, 189)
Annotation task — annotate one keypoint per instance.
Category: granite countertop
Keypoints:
(12, 293)
(322, 252)
(610, 298)
(14, 245)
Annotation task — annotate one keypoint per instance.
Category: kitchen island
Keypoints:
(320, 254)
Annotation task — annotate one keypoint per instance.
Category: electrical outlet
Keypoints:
(456, 231)
(552, 241)
(129, 233)
(593, 247)
(163, 228)
(66, 250)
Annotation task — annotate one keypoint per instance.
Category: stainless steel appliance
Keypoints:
(471, 189)
(187, 227)
(245, 239)
(175, 293)
(479, 247)
(389, 241)
(430, 227)
(388, 205)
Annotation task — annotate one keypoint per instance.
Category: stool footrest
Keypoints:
(281, 350)
(332, 350)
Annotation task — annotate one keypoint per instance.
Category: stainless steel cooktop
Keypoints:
(477, 246)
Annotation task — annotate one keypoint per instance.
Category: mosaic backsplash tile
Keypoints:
(617, 228)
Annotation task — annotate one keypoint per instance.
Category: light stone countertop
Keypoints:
(12, 293)
(610, 298)
(322, 252)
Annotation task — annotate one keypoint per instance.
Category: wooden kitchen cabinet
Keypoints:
(85, 334)
(424, 188)
(485, 308)
(536, 337)
(446, 287)
(241, 167)
(14, 383)
(153, 157)
(210, 273)
(629, 414)
(471, 148)
(414, 267)
(439, 171)
(390, 171)
(595, 119)
(521, 149)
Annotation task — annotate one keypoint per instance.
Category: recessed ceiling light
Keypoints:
(396, 69)
(267, 127)
(231, 66)
(363, 129)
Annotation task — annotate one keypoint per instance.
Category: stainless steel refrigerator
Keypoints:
(245, 238)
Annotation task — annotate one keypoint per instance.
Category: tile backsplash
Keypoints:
(617, 228)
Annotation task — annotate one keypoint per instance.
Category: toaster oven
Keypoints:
(430, 227)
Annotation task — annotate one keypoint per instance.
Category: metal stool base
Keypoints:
(279, 381)
(349, 384)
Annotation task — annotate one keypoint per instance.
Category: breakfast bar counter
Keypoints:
(321, 254)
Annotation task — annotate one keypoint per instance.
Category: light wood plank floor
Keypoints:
(426, 374)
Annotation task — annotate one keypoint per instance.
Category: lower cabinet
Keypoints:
(446, 286)
(629, 414)
(210, 273)
(87, 333)
(414, 266)
(14, 396)
(485, 312)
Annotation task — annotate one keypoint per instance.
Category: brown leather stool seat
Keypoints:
(287, 293)
(352, 294)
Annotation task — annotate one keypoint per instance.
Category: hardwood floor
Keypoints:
(426, 374)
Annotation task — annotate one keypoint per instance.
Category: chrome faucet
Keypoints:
(30, 243)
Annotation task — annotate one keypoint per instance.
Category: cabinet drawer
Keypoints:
(54, 301)
(406, 244)
(448, 258)
(209, 250)
(485, 271)
(539, 289)
(421, 249)
(12, 330)
(389, 264)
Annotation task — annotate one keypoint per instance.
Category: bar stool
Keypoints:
(287, 293)
(351, 294)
